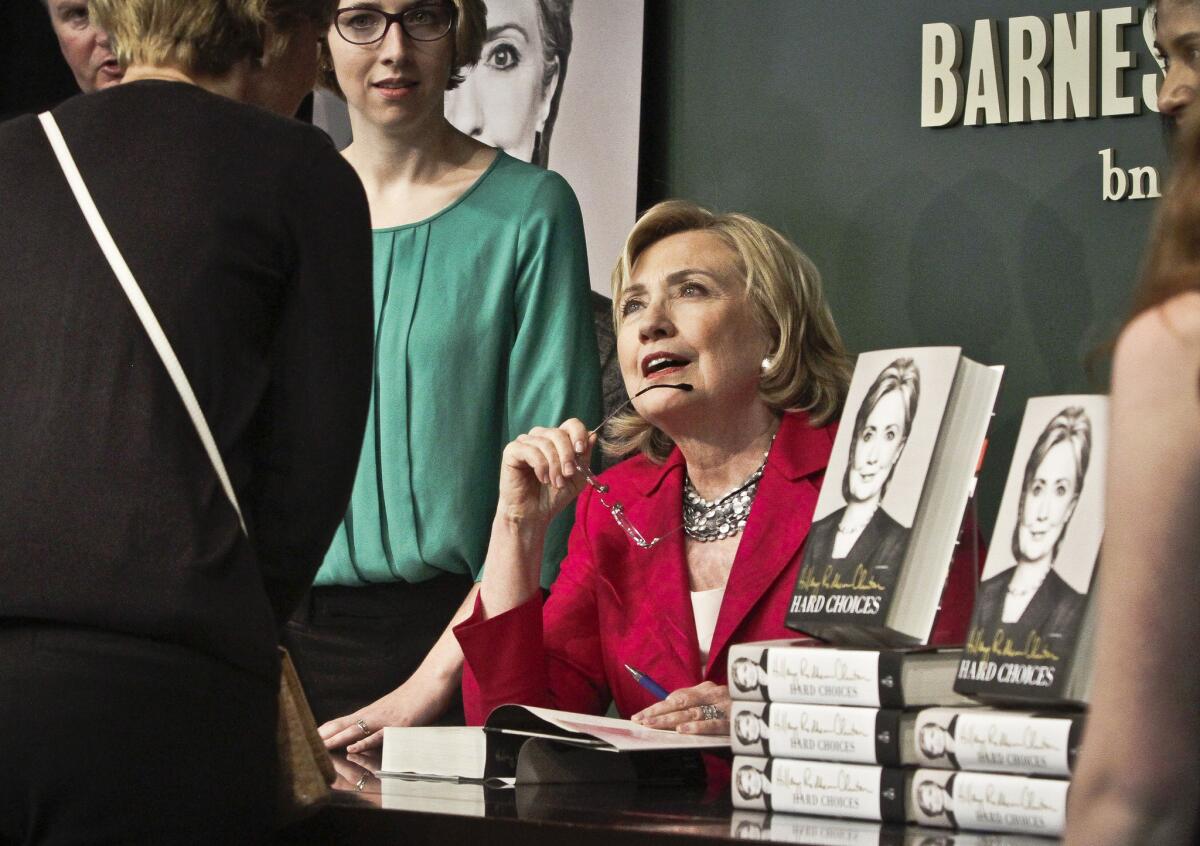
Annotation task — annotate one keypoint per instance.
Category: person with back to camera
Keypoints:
(861, 536)
(715, 503)
(510, 98)
(85, 46)
(483, 330)
(1032, 597)
(1138, 776)
(139, 673)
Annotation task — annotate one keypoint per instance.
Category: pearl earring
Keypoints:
(766, 364)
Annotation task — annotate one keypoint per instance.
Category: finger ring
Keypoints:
(362, 782)
(711, 712)
(363, 725)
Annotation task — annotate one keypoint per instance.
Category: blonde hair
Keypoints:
(469, 33)
(204, 36)
(809, 368)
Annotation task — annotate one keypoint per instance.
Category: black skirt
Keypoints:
(352, 645)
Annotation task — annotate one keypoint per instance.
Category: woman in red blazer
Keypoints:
(731, 308)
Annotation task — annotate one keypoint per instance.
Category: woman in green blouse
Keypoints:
(483, 329)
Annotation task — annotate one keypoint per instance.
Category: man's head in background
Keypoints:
(84, 45)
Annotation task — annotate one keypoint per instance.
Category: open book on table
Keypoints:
(523, 744)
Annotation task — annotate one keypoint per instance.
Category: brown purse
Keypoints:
(305, 768)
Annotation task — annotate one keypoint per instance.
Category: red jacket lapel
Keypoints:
(778, 524)
(663, 574)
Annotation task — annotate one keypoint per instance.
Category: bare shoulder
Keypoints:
(1182, 312)
(1161, 347)
(1174, 323)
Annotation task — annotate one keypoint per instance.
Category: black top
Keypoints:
(1054, 612)
(250, 237)
(879, 550)
(1049, 625)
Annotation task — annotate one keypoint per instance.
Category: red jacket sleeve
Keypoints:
(544, 655)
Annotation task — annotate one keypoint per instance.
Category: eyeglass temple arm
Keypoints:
(617, 511)
(682, 386)
(587, 473)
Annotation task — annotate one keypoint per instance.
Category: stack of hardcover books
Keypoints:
(823, 730)
(898, 733)
(1030, 639)
(882, 735)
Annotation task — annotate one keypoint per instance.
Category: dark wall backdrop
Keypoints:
(807, 115)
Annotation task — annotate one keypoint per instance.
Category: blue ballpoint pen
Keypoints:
(648, 683)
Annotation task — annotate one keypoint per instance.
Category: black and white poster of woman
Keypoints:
(558, 84)
(877, 470)
(1048, 531)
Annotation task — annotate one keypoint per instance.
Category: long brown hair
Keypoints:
(1172, 263)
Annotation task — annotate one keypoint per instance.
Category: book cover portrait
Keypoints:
(932, 800)
(752, 783)
(1033, 595)
(881, 456)
(935, 738)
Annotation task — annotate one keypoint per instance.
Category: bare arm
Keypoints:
(418, 701)
(538, 480)
(1140, 763)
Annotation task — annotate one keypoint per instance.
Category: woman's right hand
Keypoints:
(539, 475)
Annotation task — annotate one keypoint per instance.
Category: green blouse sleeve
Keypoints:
(554, 369)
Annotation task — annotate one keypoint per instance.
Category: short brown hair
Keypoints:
(809, 367)
(203, 36)
(470, 31)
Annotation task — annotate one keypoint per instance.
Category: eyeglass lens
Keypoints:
(618, 513)
(615, 509)
(421, 23)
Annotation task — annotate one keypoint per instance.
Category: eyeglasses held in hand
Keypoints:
(615, 508)
(420, 23)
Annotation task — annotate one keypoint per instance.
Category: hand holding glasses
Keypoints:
(615, 508)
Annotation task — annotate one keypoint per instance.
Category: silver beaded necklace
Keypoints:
(725, 517)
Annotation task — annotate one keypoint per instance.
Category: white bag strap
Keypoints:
(138, 300)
